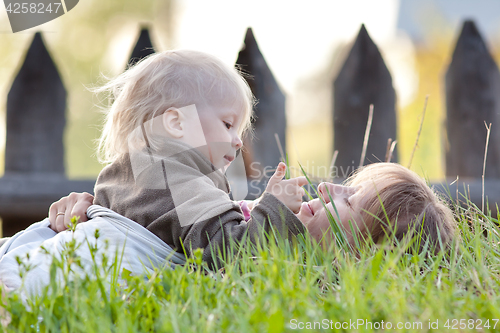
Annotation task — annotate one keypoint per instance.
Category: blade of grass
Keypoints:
(387, 149)
(488, 130)
(419, 131)
(391, 151)
(284, 157)
(367, 135)
(332, 164)
(280, 147)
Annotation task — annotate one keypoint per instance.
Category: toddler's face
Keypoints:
(221, 133)
(349, 203)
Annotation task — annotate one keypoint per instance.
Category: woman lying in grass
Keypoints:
(374, 195)
(380, 200)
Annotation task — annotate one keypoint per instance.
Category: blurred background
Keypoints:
(304, 44)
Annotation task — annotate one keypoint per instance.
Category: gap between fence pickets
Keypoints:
(419, 131)
(488, 130)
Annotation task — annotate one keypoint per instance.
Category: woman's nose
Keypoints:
(327, 190)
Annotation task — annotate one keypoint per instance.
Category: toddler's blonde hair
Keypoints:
(400, 204)
(163, 80)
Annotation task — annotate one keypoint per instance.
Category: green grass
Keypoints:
(277, 286)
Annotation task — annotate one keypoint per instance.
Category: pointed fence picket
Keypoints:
(472, 99)
(363, 80)
(142, 48)
(269, 120)
(34, 152)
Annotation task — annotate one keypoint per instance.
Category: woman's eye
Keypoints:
(228, 125)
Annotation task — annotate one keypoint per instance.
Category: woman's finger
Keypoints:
(62, 211)
(52, 213)
(55, 218)
(60, 223)
(80, 208)
(77, 207)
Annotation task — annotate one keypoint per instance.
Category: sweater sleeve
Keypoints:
(187, 206)
(214, 235)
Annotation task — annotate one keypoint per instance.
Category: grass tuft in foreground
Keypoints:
(277, 286)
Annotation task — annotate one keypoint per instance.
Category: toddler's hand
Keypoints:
(289, 191)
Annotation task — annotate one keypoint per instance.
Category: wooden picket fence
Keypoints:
(34, 155)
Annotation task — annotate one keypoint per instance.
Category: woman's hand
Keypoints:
(61, 212)
(288, 191)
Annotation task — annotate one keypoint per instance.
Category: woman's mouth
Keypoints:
(229, 159)
(307, 207)
(310, 208)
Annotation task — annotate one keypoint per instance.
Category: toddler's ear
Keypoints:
(173, 123)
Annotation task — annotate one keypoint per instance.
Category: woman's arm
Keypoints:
(73, 205)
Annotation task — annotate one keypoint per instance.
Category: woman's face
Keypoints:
(345, 203)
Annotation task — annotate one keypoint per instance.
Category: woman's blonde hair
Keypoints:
(163, 80)
(400, 204)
